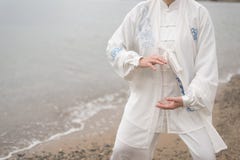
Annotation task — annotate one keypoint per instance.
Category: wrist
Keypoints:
(139, 61)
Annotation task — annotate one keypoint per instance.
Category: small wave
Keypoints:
(20, 150)
(78, 114)
(82, 112)
(37, 142)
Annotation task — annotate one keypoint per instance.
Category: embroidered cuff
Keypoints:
(115, 51)
(138, 61)
(186, 100)
(135, 58)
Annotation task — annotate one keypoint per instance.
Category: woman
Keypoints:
(166, 51)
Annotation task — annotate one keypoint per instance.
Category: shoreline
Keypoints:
(96, 141)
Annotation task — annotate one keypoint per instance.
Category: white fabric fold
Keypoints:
(194, 62)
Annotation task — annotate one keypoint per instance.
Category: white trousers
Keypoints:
(198, 143)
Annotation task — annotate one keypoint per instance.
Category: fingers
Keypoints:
(151, 61)
(175, 99)
(172, 103)
(169, 106)
(158, 60)
(162, 59)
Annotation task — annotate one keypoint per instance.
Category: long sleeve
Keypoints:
(202, 89)
(120, 50)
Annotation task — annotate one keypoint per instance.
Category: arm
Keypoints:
(120, 51)
(202, 89)
(201, 92)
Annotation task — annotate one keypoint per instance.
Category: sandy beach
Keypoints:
(95, 142)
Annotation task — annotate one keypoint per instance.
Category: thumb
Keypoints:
(152, 66)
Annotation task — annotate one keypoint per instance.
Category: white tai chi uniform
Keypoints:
(142, 121)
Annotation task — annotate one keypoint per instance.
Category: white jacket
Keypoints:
(193, 61)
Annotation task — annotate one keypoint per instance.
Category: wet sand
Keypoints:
(95, 142)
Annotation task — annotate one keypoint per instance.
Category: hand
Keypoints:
(151, 60)
(170, 103)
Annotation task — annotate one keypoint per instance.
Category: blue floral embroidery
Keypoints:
(144, 30)
(115, 51)
(183, 92)
(194, 33)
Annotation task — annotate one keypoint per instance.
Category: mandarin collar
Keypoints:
(172, 6)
